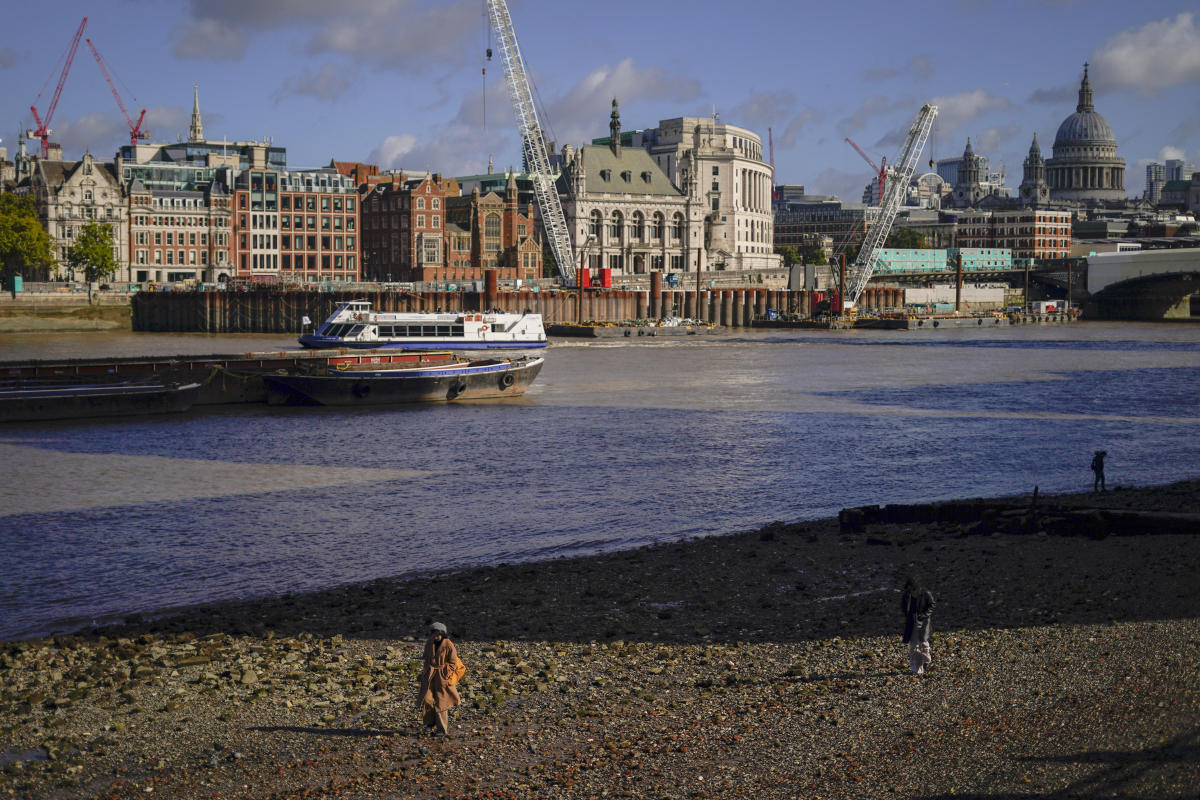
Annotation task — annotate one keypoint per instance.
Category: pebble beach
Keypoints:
(765, 663)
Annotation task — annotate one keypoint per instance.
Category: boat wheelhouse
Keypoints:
(355, 325)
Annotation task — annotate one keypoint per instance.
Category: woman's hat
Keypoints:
(437, 627)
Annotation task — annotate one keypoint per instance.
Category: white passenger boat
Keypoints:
(354, 324)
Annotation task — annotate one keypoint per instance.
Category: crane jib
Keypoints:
(893, 196)
(533, 141)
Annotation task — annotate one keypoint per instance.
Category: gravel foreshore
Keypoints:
(766, 664)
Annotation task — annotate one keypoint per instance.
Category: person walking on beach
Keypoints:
(1098, 469)
(441, 671)
(917, 604)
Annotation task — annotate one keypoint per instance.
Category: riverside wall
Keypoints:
(275, 311)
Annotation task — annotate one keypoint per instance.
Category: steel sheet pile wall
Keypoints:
(274, 311)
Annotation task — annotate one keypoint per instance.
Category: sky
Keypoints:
(402, 83)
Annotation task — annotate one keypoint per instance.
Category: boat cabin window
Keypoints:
(421, 331)
(342, 330)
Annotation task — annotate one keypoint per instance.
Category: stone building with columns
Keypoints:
(1085, 167)
(732, 180)
(624, 213)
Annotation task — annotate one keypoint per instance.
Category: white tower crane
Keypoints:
(536, 156)
(893, 196)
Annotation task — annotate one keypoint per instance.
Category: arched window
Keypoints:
(677, 227)
(614, 226)
(594, 224)
(656, 227)
(491, 226)
(637, 228)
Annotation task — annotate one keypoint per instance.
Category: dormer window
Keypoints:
(627, 176)
(646, 177)
(606, 174)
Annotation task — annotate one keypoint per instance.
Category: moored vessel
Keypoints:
(355, 325)
(39, 399)
(444, 380)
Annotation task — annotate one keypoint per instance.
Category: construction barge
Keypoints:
(921, 322)
(223, 379)
(621, 330)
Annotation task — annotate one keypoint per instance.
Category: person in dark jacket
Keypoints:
(437, 694)
(917, 604)
(1098, 469)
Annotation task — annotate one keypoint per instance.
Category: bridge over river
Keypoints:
(1133, 285)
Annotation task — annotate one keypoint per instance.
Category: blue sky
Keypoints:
(399, 83)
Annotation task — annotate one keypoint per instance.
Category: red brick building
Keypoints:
(301, 226)
(500, 236)
(404, 226)
(423, 229)
(1030, 233)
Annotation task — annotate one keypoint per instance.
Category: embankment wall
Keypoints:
(273, 311)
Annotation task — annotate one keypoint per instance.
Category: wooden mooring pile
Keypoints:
(273, 310)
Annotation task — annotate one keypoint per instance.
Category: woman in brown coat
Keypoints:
(438, 695)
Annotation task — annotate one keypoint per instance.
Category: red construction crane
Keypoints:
(882, 170)
(43, 128)
(135, 129)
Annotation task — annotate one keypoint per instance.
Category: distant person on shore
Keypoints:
(917, 604)
(1098, 469)
(441, 672)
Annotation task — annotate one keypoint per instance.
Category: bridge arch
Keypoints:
(1147, 285)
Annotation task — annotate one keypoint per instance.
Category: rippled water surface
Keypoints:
(616, 445)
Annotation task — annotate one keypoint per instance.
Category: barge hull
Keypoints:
(367, 389)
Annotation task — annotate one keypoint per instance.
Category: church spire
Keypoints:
(1085, 92)
(196, 131)
(614, 129)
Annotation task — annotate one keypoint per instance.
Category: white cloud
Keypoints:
(775, 110)
(8, 57)
(993, 140)
(101, 133)
(792, 132)
(208, 39)
(401, 35)
(167, 123)
(919, 66)
(1170, 152)
(391, 151)
(1055, 95)
(1152, 57)
(956, 110)
(412, 35)
(581, 112)
(876, 105)
(328, 83)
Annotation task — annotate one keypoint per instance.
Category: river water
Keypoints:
(616, 445)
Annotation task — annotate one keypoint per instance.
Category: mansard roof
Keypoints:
(631, 172)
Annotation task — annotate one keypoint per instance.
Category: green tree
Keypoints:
(815, 255)
(25, 247)
(790, 254)
(906, 239)
(92, 252)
